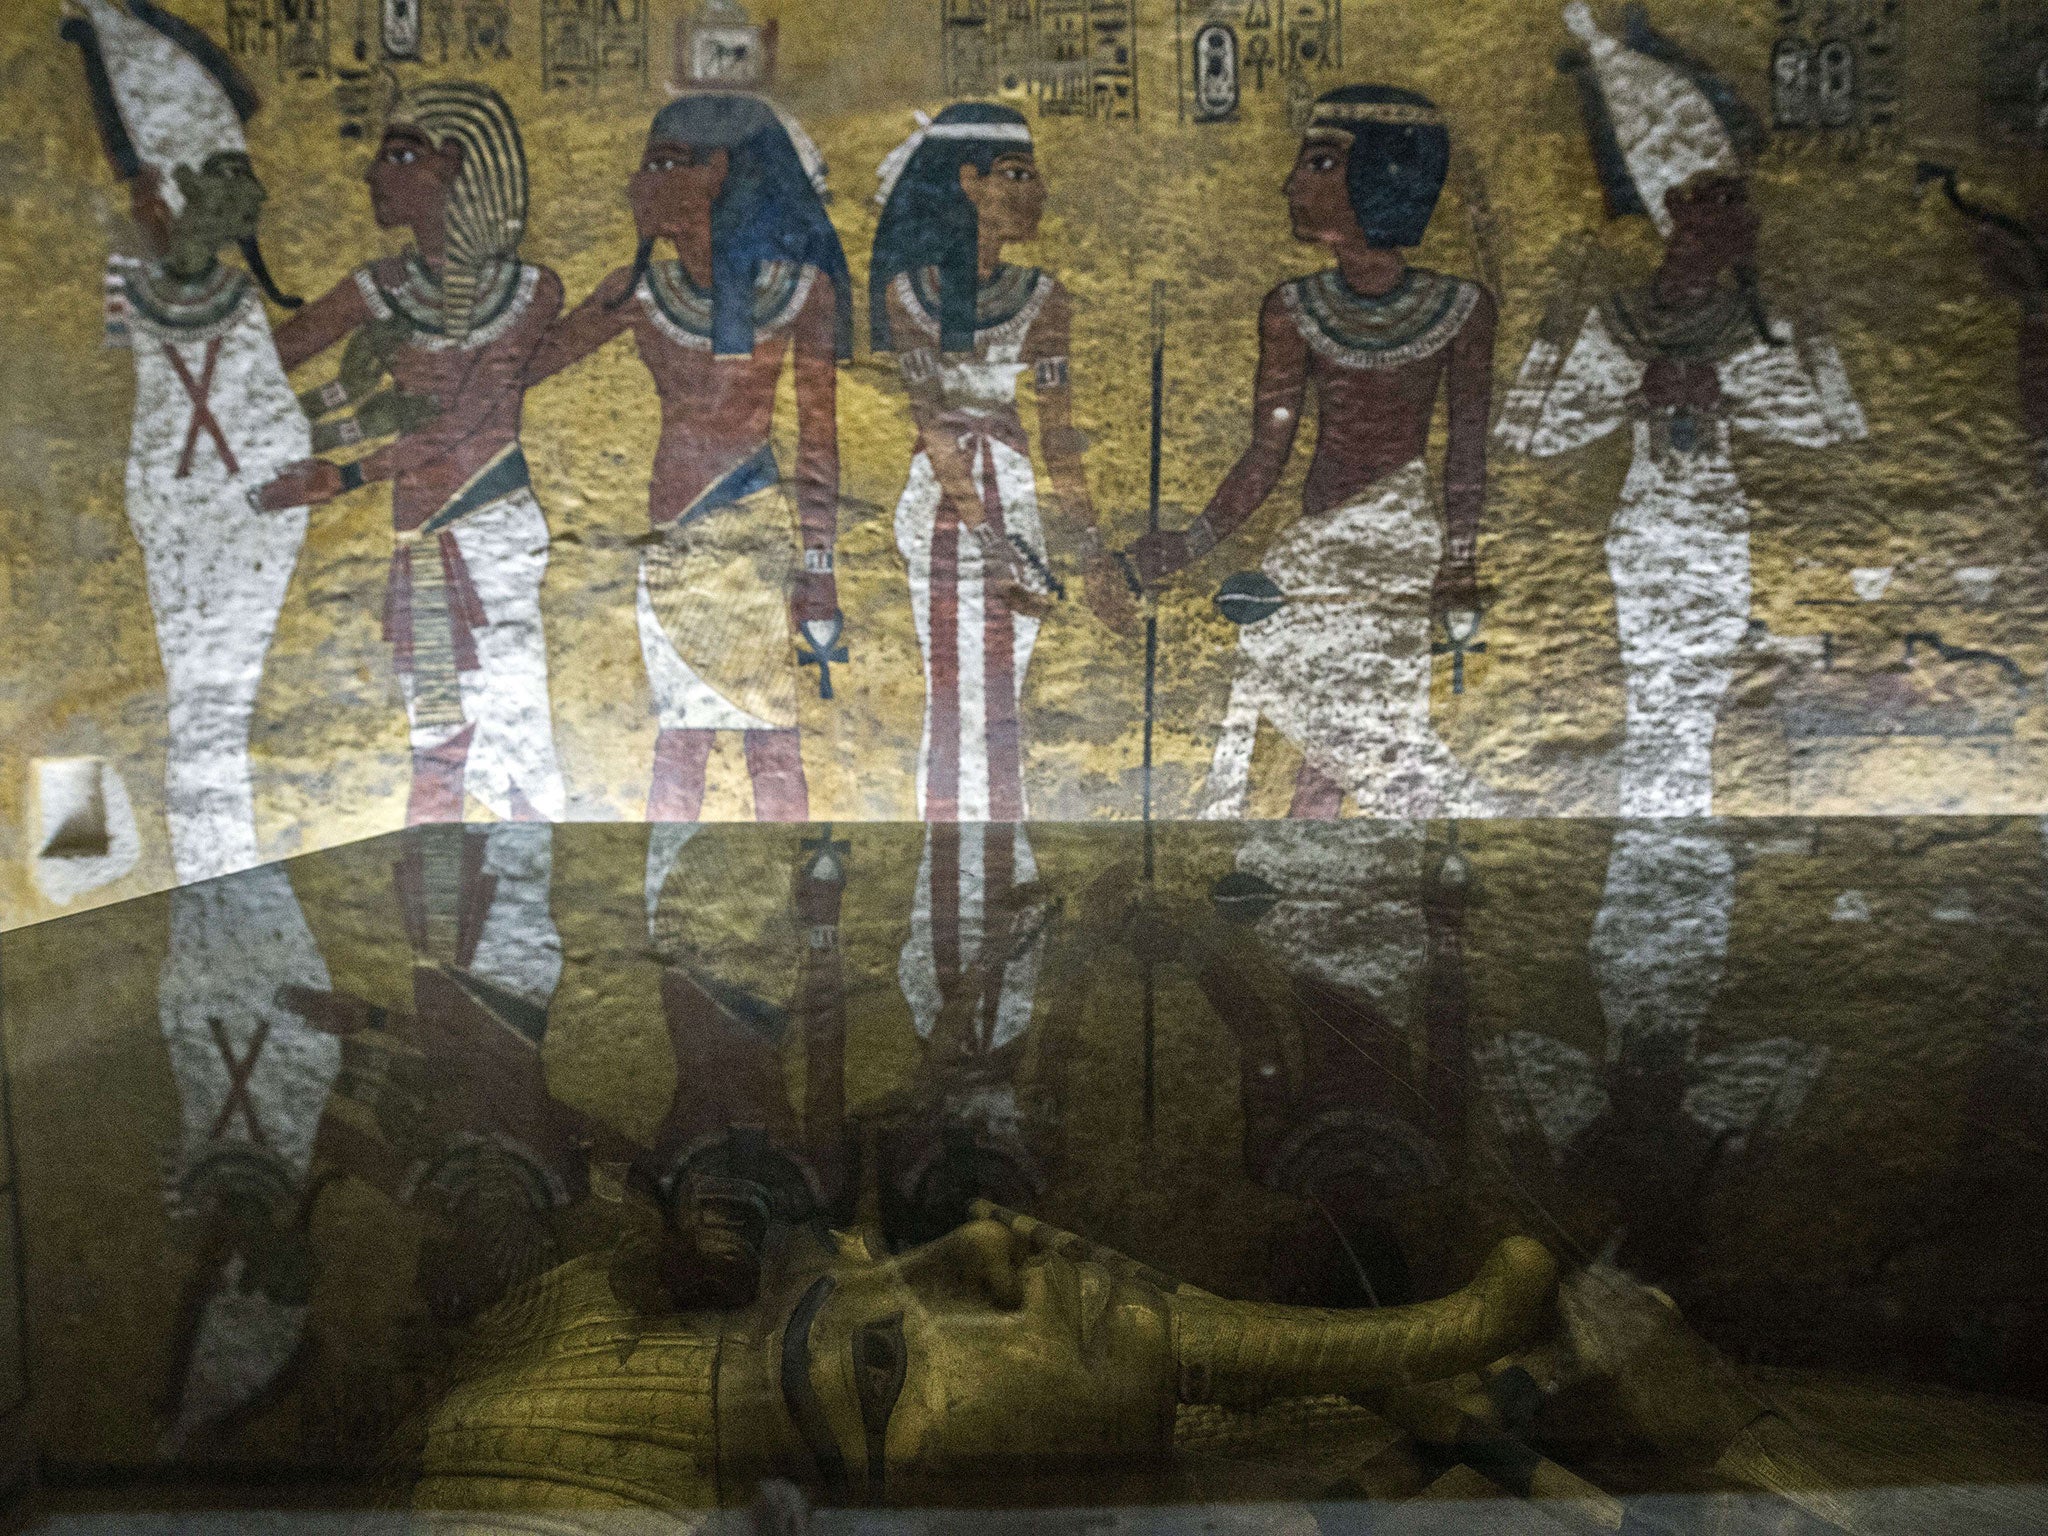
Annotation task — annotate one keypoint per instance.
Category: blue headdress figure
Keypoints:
(928, 221)
(770, 209)
(1400, 155)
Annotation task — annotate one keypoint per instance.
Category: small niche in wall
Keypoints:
(73, 808)
(82, 825)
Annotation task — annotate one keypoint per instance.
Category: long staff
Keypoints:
(1147, 1000)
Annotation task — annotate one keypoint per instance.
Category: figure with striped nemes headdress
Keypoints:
(214, 416)
(738, 577)
(1333, 642)
(454, 320)
(1683, 361)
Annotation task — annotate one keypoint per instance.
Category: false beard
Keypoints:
(1753, 300)
(643, 259)
(252, 254)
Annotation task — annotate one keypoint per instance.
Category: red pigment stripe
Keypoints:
(198, 391)
(945, 845)
(999, 884)
(942, 773)
(999, 660)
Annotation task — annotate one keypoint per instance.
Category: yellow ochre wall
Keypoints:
(1941, 483)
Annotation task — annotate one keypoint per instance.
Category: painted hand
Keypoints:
(1108, 594)
(1160, 553)
(395, 413)
(1003, 569)
(816, 597)
(1456, 589)
(308, 483)
(820, 882)
(367, 357)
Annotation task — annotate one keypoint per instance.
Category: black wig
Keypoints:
(1397, 168)
(768, 210)
(929, 222)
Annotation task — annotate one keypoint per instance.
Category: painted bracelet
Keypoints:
(818, 560)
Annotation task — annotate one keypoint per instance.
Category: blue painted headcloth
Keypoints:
(1400, 154)
(928, 221)
(768, 210)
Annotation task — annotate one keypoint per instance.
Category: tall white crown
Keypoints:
(175, 111)
(1668, 130)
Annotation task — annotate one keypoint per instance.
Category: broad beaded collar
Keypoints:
(1416, 318)
(162, 304)
(501, 296)
(1709, 329)
(682, 311)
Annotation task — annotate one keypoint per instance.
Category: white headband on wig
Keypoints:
(890, 171)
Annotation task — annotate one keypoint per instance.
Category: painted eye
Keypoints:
(1323, 163)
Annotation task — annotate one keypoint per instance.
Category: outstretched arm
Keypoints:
(1277, 397)
(1047, 351)
(320, 324)
(815, 336)
(604, 314)
(493, 373)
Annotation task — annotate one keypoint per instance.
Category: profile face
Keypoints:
(976, 1358)
(1010, 200)
(1713, 224)
(410, 178)
(673, 191)
(223, 197)
(1318, 192)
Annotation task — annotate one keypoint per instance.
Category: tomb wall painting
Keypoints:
(1884, 660)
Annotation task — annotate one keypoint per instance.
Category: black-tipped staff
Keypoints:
(1147, 998)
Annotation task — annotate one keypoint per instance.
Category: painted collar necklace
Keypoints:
(1416, 317)
(169, 303)
(418, 297)
(996, 302)
(1715, 326)
(686, 306)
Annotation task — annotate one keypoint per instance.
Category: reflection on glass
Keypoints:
(523, 1174)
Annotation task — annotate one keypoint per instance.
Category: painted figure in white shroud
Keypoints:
(214, 415)
(1334, 648)
(1649, 1118)
(1684, 362)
